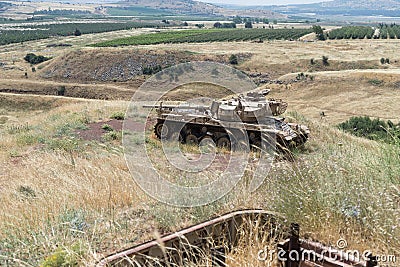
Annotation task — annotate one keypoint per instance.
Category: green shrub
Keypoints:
(374, 129)
(112, 136)
(77, 32)
(151, 70)
(61, 90)
(376, 82)
(107, 127)
(233, 59)
(248, 25)
(26, 191)
(34, 59)
(118, 115)
(64, 257)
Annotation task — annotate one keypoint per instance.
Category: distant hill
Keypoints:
(175, 6)
(390, 8)
(363, 4)
(195, 8)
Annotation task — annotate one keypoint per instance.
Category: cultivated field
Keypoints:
(68, 196)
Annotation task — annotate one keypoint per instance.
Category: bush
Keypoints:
(107, 127)
(113, 136)
(373, 129)
(325, 60)
(382, 61)
(375, 82)
(34, 59)
(77, 32)
(61, 90)
(217, 25)
(233, 59)
(118, 115)
(64, 257)
(248, 25)
(149, 70)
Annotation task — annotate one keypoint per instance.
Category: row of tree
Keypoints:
(240, 20)
(219, 25)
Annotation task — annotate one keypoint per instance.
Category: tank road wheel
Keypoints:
(207, 144)
(161, 130)
(191, 139)
(224, 142)
(256, 144)
(242, 146)
(175, 137)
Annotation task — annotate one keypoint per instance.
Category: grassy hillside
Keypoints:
(64, 195)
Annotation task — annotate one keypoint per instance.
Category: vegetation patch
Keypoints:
(35, 59)
(26, 33)
(208, 35)
(382, 31)
(376, 82)
(374, 129)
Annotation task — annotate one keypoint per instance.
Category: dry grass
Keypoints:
(60, 192)
(343, 94)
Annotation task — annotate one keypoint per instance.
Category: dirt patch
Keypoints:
(96, 130)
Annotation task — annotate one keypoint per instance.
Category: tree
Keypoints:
(237, 20)
(382, 61)
(233, 59)
(185, 24)
(319, 32)
(77, 32)
(217, 25)
(248, 25)
(199, 26)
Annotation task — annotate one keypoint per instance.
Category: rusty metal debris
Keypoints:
(185, 245)
(220, 235)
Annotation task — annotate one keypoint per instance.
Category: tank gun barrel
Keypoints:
(177, 107)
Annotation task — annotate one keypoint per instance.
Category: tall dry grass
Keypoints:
(76, 200)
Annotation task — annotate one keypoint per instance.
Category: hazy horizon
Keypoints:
(262, 3)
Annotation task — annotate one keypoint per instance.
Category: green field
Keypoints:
(360, 32)
(208, 35)
(24, 33)
(352, 32)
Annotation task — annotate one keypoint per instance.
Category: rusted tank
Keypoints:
(243, 121)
